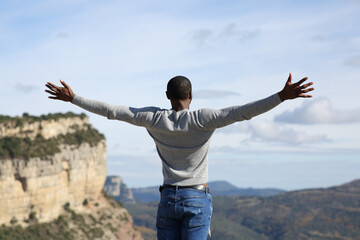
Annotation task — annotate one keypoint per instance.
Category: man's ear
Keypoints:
(167, 95)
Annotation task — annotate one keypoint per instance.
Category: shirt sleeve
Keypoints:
(144, 117)
(212, 119)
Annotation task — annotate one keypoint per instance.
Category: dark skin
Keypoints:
(180, 104)
(290, 91)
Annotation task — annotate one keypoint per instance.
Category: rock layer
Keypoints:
(116, 188)
(39, 187)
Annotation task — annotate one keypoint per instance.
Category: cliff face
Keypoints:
(101, 219)
(63, 169)
(116, 188)
(48, 126)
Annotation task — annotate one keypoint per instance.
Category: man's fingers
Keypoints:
(306, 85)
(52, 87)
(307, 90)
(56, 98)
(53, 93)
(64, 84)
(289, 78)
(305, 96)
(300, 82)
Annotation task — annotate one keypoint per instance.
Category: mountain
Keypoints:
(217, 188)
(102, 218)
(52, 171)
(314, 214)
(116, 188)
(224, 188)
(146, 194)
(46, 162)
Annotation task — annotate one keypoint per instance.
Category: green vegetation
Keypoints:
(32, 216)
(144, 214)
(13, 221)
(90, 135)
(29, 118)
(112, 201)
(16, 147)
(67, 206)
(70, 225)
(56, 230)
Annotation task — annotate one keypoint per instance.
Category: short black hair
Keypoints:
(179, 87)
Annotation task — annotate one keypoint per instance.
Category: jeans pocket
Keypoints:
(193, 214)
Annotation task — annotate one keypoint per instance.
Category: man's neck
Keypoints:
(178, 105)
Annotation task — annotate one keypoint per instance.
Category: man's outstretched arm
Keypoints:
(138, 116)
(212, 119)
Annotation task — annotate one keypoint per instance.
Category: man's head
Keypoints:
(179, 88)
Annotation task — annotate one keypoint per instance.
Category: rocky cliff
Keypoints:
(101, 219)
(47, 162)
(116, 188)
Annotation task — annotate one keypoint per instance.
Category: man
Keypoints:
(182, 139)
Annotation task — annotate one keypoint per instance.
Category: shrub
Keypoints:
(13, 220)
(15, 147)
(32, 215)
(120, 204)
(67, 206)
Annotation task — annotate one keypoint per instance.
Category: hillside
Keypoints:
(52, 171)
(102, 218)
(46, 162)
(332, 213)
(218, 188)
(316, 214)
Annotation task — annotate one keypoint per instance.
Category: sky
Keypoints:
(234, 52)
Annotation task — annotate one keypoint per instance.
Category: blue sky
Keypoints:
(234, 52)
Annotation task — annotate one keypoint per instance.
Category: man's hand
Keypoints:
(295, 90)
(60, 93)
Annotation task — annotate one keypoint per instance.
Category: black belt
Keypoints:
(199, 187)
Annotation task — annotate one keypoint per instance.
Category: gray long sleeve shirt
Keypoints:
(182, 138)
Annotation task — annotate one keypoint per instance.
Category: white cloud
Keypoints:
(231, 30)
(272, 132)
(319, 111)
(201, 36)
(206, 36)
(269, 132)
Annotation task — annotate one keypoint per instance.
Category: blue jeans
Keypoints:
(183, 214)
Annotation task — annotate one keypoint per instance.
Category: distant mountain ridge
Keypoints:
(217, 188)
(224, 188)
(312, 214)
(318, 214)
